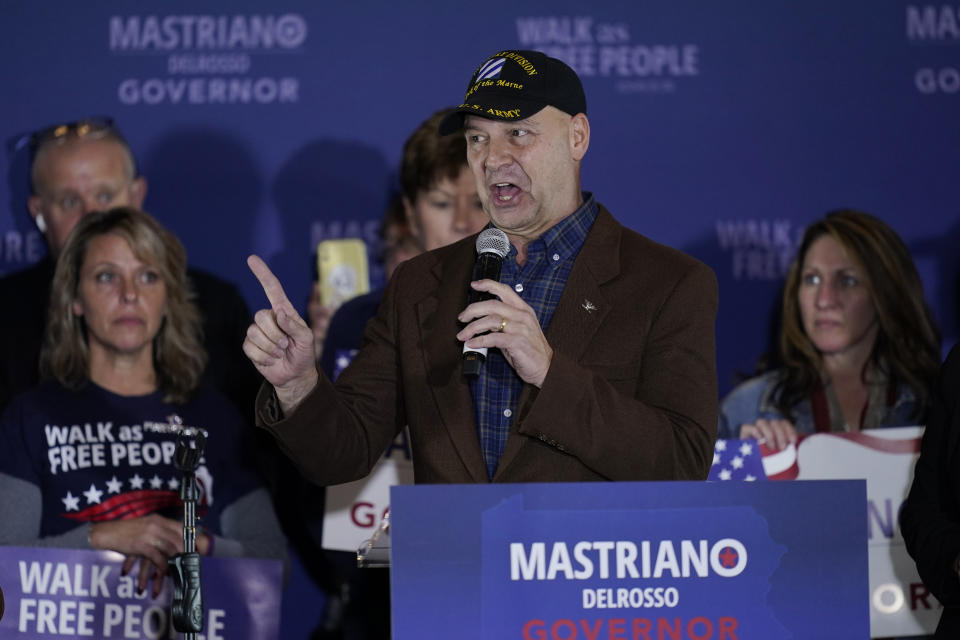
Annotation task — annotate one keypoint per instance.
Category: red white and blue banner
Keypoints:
(65, 593)
(630, 560)
(900, 604)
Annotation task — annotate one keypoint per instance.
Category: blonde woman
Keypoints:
(82, 462)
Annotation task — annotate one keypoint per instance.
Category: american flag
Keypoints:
(747, 460)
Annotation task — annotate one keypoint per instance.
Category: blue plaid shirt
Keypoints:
(540, 282)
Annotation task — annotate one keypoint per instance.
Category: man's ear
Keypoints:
(138, 191)
(579, 136)
(35, 207)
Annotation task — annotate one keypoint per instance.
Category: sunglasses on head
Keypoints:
(92, 127)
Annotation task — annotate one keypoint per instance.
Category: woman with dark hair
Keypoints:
(858, 346)
(85, 458)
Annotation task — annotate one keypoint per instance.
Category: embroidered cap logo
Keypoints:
(491, 69)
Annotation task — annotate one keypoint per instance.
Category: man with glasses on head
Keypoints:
(77, 168)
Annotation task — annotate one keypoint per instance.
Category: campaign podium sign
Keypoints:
(637, 561)
(71, 593)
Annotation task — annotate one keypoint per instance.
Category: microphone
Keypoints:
(492, 247)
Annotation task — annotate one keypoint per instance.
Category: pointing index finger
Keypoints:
(271, 285)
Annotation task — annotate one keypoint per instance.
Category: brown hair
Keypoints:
(908, 342)
(429, 157)
(178, 355)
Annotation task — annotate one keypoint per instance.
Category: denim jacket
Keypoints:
(754, 399)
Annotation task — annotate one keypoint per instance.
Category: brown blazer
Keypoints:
(631, 393)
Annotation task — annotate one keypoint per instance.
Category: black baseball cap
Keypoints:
(515, 84)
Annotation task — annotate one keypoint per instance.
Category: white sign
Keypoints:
(355, 509)
(899, 603)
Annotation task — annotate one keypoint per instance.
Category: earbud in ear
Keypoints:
(41, 223)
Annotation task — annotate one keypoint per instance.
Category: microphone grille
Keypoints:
(493, 240)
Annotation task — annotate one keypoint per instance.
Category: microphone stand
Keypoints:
(187, 604)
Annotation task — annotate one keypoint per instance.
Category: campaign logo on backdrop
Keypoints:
(935, 25)
(606, 50)
(759, 249)
(206, 59)
(20, 248)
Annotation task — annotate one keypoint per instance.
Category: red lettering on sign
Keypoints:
(367, 517)
(698, 628)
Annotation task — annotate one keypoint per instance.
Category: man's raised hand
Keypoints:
(279, 342)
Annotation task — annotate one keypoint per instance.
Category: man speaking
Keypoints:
(600, 342)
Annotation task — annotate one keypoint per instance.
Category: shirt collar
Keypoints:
(567, 236)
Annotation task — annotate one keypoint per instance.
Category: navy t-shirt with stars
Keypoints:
(96, 455)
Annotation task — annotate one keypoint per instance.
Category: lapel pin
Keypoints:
(588, 306)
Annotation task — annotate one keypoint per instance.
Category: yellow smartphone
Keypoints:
(342, 270)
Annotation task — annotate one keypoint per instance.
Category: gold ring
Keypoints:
(503, 324)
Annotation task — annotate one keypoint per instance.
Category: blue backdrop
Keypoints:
(718, 128)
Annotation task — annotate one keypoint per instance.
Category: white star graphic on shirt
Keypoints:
(750, 478)
(136, 482)
(173, 484)
(93, 494)
(342, 362)
(71, 503)
(156, 482)
(737, 462)
(716, 457)
(721, 445)
(725, 474)
(114, 485)
(746, 449)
